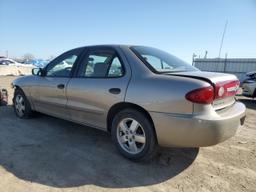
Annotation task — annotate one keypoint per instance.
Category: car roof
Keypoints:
(106, 45)
(112, 45)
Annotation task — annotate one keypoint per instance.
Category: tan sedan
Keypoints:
(143, 96)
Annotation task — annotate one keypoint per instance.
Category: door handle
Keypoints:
(61, 86)
(114, 91)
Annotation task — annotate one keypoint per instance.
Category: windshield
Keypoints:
(160, 61)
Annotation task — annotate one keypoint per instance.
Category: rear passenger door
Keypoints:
(100, 83)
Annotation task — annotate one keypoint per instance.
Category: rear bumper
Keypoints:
(198, 130)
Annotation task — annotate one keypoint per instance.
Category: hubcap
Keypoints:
(131, 136)
(20, 105)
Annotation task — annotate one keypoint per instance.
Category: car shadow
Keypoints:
(62, 154)
(249, 102)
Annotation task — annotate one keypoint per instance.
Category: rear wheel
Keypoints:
(133, 135)
(21, 105)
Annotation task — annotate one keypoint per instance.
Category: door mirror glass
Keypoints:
(38, 71)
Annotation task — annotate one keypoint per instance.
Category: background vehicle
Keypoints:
(38, 62)
(6, 61)
(249, 85)
(143, 96)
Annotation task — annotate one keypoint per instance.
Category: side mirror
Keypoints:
(39, 72)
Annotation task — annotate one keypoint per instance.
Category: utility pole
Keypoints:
(205, 55)
(193, 58)
(223, 35)
(6, 53)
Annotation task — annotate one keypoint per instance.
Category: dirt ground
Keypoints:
(49, 154)
(15, 70)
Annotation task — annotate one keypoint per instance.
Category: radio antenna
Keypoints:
(223, 35)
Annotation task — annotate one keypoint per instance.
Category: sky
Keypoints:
(47, 28)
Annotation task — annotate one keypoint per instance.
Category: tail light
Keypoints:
(206, 95)
(203, 95)
(226, 89)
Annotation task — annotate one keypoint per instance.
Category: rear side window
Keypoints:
(100, 64)
(116, 69)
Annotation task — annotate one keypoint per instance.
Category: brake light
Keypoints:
(203, 95)
(226, 89)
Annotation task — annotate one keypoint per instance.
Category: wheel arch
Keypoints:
(126, 105)
(18, 87)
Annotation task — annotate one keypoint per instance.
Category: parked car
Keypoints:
(143, 96)
(38, 62)
(10, 62)
(6, 61)
(249, 85)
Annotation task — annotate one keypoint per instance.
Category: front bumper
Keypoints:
(198, 130)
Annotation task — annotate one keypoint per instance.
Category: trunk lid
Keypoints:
(225, 86)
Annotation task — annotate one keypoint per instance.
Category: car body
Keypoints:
(249, 85)
(168, 101)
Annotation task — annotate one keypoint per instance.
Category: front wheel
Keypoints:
(21, 105)
(133, 135)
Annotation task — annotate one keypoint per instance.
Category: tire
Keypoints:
(133, 135)
(21, 105)
(254, 94)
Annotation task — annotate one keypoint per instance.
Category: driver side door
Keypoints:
(49, 91)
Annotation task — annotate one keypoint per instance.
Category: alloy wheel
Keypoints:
(20, 105)
(131, 136)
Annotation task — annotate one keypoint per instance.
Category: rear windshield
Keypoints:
(160, 61)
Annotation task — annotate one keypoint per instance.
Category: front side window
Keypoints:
(99, 64)
(160, 61)
(62, 65)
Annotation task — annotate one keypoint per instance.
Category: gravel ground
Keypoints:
(50, 154)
